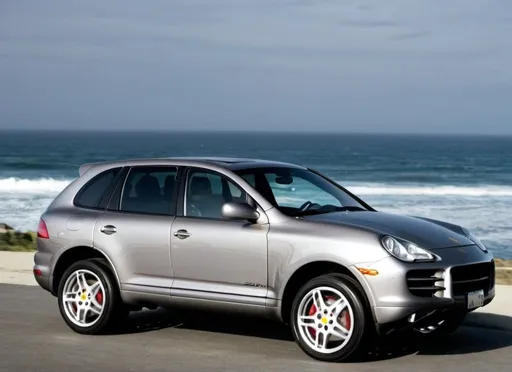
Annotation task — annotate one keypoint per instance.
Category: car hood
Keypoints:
(426, 233)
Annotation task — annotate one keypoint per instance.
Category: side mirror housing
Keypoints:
(240, 212)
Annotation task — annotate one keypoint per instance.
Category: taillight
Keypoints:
(42, 231)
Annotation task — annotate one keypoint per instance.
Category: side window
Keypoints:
(149, 190)
(93, 191)
(207, 192)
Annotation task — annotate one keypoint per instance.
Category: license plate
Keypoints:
(475, 299)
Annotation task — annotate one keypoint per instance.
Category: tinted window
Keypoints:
(249, 178)
(297, 191)
(150, 190)
(93, 192)
(207, 192)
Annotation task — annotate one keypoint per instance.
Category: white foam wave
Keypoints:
(23, 200)
(398, 190)
(32, 186)
(50, 185)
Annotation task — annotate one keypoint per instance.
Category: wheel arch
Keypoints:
(75, 254)
(312, 270)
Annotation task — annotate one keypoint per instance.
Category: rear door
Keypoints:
(136, 227)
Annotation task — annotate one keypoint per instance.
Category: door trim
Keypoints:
(218, 296)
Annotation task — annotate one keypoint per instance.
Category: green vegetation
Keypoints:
(16, 241)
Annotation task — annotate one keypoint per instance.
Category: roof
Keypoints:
(231, 163)
(234, 163)
(4, 226)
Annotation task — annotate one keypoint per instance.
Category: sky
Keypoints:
(323, 65)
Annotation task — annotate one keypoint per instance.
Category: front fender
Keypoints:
(291, 246)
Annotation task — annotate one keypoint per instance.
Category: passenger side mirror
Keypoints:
(239, 211)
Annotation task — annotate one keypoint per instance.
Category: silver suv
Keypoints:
(259, 237)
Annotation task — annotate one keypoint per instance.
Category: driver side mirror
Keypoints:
(240, 212)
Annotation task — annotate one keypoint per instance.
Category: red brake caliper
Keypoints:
(345, 316)
(99, 297)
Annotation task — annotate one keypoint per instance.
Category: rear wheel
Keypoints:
(89, 299)
(328, 318)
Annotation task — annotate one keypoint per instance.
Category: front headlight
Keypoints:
(405, 251)
(475, 240)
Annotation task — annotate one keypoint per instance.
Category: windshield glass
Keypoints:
(299, 192)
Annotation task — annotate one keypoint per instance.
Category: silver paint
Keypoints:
(212, 263)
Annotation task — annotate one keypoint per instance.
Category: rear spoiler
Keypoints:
(84, 168)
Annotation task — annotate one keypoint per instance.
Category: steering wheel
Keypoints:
(307, 205)
(304, 206)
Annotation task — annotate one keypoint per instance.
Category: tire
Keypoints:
(343, 327)
(99, 307)
(449, 325)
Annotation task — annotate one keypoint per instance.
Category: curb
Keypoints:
(489, 320)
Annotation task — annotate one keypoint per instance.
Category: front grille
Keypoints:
(469, 278)
(426, 283)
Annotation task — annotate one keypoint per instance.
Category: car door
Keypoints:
(215, 258)
(136, 227)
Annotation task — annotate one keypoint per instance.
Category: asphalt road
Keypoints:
(33, 337)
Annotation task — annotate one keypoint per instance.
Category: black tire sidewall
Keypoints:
(110, 297)
(450, 325)
(359, 322)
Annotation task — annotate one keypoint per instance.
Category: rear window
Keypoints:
(96, 189)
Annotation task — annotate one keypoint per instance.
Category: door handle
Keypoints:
(108, 229)
(182, 234)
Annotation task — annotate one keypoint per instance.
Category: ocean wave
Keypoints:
(441, 190)
(51, 185)
(32, 186)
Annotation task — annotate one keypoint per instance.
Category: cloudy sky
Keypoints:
(393, 65)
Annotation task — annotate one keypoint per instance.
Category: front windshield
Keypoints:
(299, 192)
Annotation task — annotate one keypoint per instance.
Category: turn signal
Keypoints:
(370, 272)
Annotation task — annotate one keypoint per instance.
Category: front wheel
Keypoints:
(88, 297)
(328, 318)
(443, 327)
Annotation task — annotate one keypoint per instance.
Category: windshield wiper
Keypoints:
(312, 212)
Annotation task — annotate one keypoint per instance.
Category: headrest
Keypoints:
(200, 186)
(147, 187)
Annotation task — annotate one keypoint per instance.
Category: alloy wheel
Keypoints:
(83, 298)
(325, 320)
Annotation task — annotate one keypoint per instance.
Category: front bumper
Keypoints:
(401, 298)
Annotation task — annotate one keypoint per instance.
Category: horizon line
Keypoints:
(256, 131)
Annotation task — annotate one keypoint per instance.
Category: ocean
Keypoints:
(466, 180)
